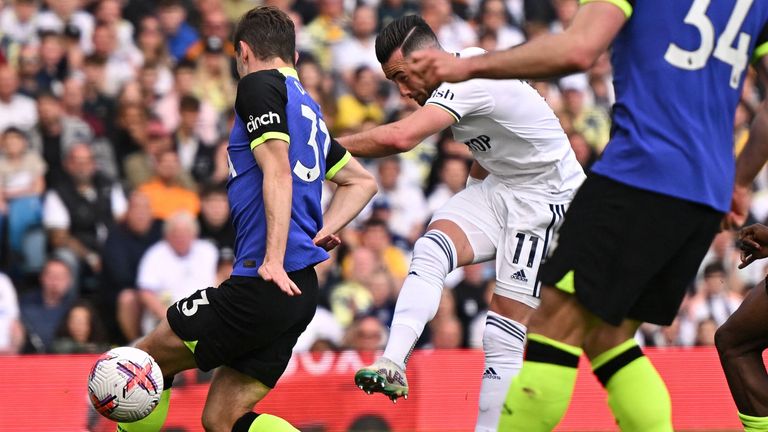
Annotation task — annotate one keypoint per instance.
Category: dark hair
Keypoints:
(184, 64)
(714, 268)
(15, 131)
(189, 103)
(408, 33)
(375, 223)
(269, 32)
(211, 189)
(97, 334)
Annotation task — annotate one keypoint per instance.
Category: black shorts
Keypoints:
(631, 252)
(246, 323)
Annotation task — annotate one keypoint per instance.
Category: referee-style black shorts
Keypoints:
(629, 253)
(246, 323)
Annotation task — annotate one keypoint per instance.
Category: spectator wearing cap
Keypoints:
(16, 110)
(167, 194)
(196, 156)
(590, 121)
(19, 21)
(79, 211)
(63, 13)
(358, 48)
(360, 105)
(179, 34)
(214, 82)
(215, 25)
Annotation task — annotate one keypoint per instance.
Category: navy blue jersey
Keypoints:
(272, 104)
(679, 66)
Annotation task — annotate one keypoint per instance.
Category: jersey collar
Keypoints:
(288, 72)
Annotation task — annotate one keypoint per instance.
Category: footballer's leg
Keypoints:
(741, 342)
(173, 356)
(231, 397)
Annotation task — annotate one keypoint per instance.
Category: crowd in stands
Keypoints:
(114, 120)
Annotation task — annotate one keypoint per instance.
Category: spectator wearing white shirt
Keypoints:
(122, 61)
(454, 33)
(358, 48)
(406, 203)
(453, 177)
(15, 109)
(175, 267)
(11, 330)
(63, 13)
(19, 21)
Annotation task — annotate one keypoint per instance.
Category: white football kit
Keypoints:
(514, 213)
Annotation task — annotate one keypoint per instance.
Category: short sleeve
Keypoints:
(462, 99)
(626, 6)
(260, 105)
(761, 44)
(337, 158)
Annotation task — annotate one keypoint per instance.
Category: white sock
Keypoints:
(434, 256)
(503, 343)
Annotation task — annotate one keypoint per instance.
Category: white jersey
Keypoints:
(512, 133)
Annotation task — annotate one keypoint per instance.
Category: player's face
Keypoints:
(396, 71)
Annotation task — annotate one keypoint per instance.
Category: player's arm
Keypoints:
(400, 136)
(263, 95)
(593, 29)
(476, 173)
(752, 158)
(355, 187)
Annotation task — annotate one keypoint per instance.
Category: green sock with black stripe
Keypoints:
(154, 421)
(753, 424)
(637, 395)
(253, 422)
(539, 395)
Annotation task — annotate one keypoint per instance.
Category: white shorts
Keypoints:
(514, 228)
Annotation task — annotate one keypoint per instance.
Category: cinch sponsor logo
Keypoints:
(445, 94)
(257, 122)
(481, 143)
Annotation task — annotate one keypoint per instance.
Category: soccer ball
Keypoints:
(125, 384)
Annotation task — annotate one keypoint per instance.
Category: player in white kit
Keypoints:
(522, 179)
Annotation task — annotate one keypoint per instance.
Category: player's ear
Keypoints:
(296, 57)
(244, 50)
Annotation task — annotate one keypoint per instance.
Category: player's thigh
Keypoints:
(230, 395)
(604, 336)
(747, 328)
(471, 222)
(168, 350)
(530, 225)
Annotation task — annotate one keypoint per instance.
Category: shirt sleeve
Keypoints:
(761, 44)
(462, 99)
(55, 214)
(337, 158)
(626, 6)
(260, 105)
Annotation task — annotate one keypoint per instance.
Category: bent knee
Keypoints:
(726, 339)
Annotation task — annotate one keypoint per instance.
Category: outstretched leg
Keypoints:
(741, 342)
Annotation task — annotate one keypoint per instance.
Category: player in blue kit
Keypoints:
(279, 152)
(640, 225)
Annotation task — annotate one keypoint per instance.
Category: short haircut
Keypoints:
(269, 32)
(184, 64)
(409, 33)
(14, 131)
(189, 103)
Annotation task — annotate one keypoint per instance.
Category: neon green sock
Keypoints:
(154, 421)
(539, 395)
(754, 424)
(270, 423)
(637, 395)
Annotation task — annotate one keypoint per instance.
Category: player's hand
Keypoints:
(327, 242)
(739, 209)
(753, 242)
(275, 273)
(436, 66)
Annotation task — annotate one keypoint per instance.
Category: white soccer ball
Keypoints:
(125, 384)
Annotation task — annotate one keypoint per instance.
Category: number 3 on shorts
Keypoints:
(190, 304)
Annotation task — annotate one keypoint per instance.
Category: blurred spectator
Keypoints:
(78, 212)
(390, 10)
(214, 82)
(131, 134)
(358, 48)
(360, 105)
(446, 333)
(314, 81)
(140, 166)
(121, 61)
(11, 330)
(56, 134)
(152, 48)
(724, 251)
(496, 19)
(470, 298)
(407, 203)
(22, 184)
(322, 329)
(377, 238)
(96, 103)
(19, 21)
(43, 310)
(454, 33)
(591, 122)
(53, 67)
(366, 334)
(382, 289)
(29, 64)
(125, 246)
(175, 267)
(16, 110)
(80, 332)
(179, 35)
(714, 300)
(215, 223)
(705, 334)
(167, 107)
(110, 13)
(585, 153)
(453, 177)
(234, 9)
(326, 30)
(65, 15)
(351, 297)
(196, 156)
(167, 195)
(565, 11)
(215, 25)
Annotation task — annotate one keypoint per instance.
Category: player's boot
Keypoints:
(383, 376)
